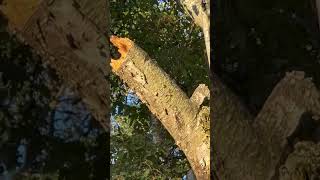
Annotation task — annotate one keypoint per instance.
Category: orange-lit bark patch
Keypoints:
(19, 11)
(123, 45)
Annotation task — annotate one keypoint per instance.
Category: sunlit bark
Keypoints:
(181, 116)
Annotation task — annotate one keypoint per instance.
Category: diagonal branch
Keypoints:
(180, 116)
(68, 36)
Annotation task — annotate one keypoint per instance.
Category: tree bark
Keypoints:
(248, 148)
(303, 163)
(70, 36)
(181, 116)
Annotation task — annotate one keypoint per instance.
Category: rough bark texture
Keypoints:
(70, 35)
(183, 119)
(303, 163)
(248, 148)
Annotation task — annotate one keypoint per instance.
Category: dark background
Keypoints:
(256, 42)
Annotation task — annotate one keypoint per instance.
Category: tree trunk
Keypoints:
(181, 116)
(70, 36)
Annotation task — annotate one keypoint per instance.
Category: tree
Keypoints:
(256, 48)
(73, 44)
(79, 149)
(244, 147)
(265, 138)
(14, 22)
(187, 123)
(175, 50)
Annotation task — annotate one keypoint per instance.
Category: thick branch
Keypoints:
(68, 36)
(280, 115)
(179, 115)
(257, 147)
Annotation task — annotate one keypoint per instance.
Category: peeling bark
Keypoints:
(181, 116)
(70, 37)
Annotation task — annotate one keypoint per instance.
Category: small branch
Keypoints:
(199, 11)
(259, 146)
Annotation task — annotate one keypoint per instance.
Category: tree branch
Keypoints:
(179, 115)
(68, 36)
(257, 146)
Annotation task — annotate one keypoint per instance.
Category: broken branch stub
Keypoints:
(199, 94)
(166, 101)
(123, 45)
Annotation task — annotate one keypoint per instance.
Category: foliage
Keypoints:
(136, 156)
(167, 35)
